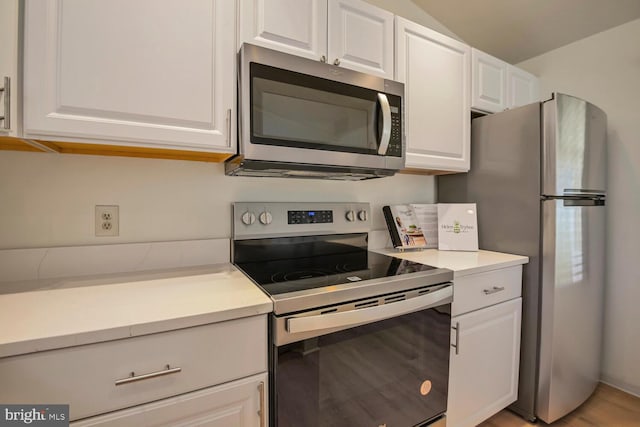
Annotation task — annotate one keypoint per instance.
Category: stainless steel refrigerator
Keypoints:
(538, 176)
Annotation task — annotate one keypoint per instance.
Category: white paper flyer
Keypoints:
(457, 227)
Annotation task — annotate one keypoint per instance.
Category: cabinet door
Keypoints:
(361, 37)
(9, 67)
(241, 403)
(522, 87)
(435, 70)
(483, 374)
(298, 27)
(150, 73)
(489, 82)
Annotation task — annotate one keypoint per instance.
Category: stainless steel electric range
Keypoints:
(356, 338)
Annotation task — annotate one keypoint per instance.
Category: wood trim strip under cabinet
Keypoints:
(17, 144)
(125, 151)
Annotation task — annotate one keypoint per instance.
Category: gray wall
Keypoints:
(48, 199)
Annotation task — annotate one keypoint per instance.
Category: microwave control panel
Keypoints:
(395, 140)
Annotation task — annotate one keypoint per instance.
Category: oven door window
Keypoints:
(392, 372)
(297, 110)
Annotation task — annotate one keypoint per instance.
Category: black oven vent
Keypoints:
(370, 303)
(395, 298)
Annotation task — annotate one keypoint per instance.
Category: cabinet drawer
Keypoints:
(85, 376)
(484, 289)
(239, 403)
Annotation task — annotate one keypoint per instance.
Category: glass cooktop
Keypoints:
(284, 265)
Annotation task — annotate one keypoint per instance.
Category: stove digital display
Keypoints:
(310, 217)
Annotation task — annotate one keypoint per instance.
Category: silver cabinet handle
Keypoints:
(7, 103)
(493, 290)
(133, 378)
(261, 412)
(368, 315)
(457, 344)
(337, 61)
(386, 124)
(228, 124)
(323, 59)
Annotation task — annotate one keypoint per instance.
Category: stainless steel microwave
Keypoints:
(308, 119)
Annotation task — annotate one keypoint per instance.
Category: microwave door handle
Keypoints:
(386, 124)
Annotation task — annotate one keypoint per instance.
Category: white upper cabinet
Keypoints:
(435, 71)
(489, 82)
(497, 85)
(9, 68)
(349, 33)
(298, 27)
(522, 87)
(146, 73)
(361, 37)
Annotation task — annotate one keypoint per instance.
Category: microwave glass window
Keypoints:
(294, 110)
(294, 113)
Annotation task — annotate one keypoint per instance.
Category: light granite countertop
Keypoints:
(64, 312)
(68, 312)
(462, 263)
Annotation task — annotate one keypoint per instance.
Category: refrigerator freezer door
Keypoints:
(571, 311)
(573, 148)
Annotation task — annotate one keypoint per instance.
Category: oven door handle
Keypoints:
(361, 316)
(385, 137)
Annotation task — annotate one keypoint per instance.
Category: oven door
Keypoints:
(296, 110)
(386, 365)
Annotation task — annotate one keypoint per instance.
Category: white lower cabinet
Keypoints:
(193, 374)
(240, 403)
(485, 353)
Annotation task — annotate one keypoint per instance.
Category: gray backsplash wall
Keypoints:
(49, 199)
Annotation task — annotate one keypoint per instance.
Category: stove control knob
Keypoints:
(248, 218)
(351, 216)
(266, 218)
(362, 215)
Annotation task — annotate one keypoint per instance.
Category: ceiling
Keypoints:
(515, 30)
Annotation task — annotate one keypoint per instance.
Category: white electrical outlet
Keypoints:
(107, 220)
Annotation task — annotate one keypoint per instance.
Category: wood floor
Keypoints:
(608, 407)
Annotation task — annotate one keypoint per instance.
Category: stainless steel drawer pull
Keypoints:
(133, 378)
(457, 344)
(228, 127)
(261, 412)
(7, 103)
(493, 290)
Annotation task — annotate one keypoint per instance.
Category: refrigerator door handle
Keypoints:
(574, 197)
(591, 201)
(583, 192)
(578, 200)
